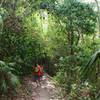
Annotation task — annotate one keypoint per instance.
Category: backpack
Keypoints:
(40, 70)
(36, 69)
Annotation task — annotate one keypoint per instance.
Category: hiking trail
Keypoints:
(30, 91)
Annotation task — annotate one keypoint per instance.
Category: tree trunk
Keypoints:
(98, 8)
(70, 37)
(1, 2)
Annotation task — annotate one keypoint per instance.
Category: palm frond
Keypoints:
(3, 86)
(8, 79)
(90, 67)
(14, 81)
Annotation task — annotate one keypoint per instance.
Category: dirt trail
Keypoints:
(47, 91)
(28, 90)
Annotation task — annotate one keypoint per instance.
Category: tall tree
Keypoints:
(98, 8)
(79, 18)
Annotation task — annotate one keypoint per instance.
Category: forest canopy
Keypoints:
(62, 35)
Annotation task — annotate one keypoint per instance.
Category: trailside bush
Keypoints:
(83, 91)
(7, 78)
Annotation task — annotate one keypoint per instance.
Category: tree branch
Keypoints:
(1, 3)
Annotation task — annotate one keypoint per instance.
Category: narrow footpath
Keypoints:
(47, 90)
(30, 91)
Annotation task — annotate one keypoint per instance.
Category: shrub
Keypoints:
(7, 78)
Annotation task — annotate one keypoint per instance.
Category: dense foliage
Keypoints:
(60, 34)
(8, 79)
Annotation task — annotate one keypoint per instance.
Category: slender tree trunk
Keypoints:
(70, 43)
(1, 2)
(14, 7)
(98, 8)
(78, 38)
(1, 16)
(70, 37)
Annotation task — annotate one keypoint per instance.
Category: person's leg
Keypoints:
(36, 80)
(41, 78)
(39, 81)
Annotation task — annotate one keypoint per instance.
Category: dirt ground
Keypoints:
(30, 91)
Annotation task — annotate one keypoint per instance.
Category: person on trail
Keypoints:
(35, 73)
(38, 73)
